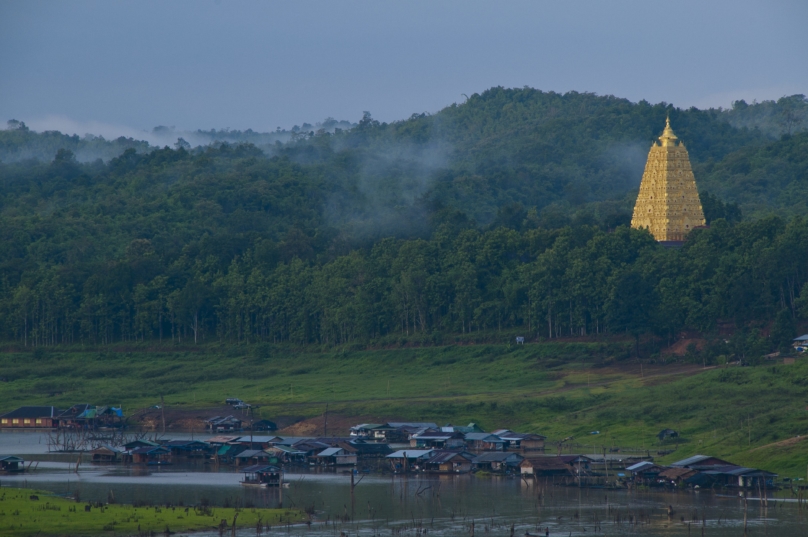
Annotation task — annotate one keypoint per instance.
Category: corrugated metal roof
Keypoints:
(330, 452)
(287, 449)
(258, 439)
(222, 439)
(510, 435)
(260, 468)
(412, 424)
(673, 473)
(182, 443)
(291, 440)
(250, 453)
(496, 456)
(366, 426)
(441, 457)
(640, 466)
(485, 437)
(411, 453)
(109, 448)
(433, 436)
(32, 412)
(147, 450)
(695, 459)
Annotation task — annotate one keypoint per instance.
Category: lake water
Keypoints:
(416, 506)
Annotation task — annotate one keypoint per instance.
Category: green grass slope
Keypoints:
(750, 415)
(53, 515)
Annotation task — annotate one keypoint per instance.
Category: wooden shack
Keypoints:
(545, 466)
(251, 457)
(150, 455)
(335, 456)
(262, 475)
(106, 454)
(449, 462)
(31, 417)
(10, 463)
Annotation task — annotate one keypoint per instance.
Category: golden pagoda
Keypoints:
(668, 204)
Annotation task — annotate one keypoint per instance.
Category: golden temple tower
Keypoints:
(668, 204)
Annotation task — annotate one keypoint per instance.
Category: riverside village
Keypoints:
(256, 449)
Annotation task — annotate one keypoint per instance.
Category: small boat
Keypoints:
(263, 475)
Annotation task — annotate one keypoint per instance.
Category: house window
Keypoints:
(15, 421)
(26, 421)
(38, 421)
(4, 421)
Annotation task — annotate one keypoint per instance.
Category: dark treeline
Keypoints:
(549, 283)
(508, 211)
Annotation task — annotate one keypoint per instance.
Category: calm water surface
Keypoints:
(416, 506)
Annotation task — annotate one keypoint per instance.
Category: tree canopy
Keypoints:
(508, 211)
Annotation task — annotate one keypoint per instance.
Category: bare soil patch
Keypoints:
(187, 419)
(338, 425)
(782, 443)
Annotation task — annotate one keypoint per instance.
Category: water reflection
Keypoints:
(419, 506)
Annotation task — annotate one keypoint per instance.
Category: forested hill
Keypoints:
(496, 213)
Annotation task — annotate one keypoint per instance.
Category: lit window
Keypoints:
(38, 421)
(15, 421)
(5, 421)
(26, 420)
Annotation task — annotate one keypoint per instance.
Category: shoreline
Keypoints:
(26, 511)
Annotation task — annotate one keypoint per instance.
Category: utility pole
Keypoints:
(163, 412)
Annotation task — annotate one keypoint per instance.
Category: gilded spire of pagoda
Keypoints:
(668, 204)
(668, 137)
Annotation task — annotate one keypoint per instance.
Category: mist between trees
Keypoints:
(507, 212)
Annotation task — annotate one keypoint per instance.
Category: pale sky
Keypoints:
(116, 68)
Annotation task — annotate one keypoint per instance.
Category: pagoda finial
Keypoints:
(668, 137)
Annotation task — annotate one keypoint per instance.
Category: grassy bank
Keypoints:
(52, 515)
(750, 415)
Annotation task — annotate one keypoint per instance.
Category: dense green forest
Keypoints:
(506, 212)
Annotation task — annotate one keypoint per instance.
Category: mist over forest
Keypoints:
(509, 210)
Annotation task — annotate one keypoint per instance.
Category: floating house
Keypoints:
(134, 444)
(190, 449)
(497, 461)
(676, 476)
(394, 431)
(87, 416)
(521, 441)
(370, 450)
(484, 442)
(107, 454)
(31, 417)
(262, 475)
(409, 459)
(545, 466)
(150, 455)
(336, 456)
(10, 463)
(437, 439)
(645, 471)
(448, 462)
(251, 456)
